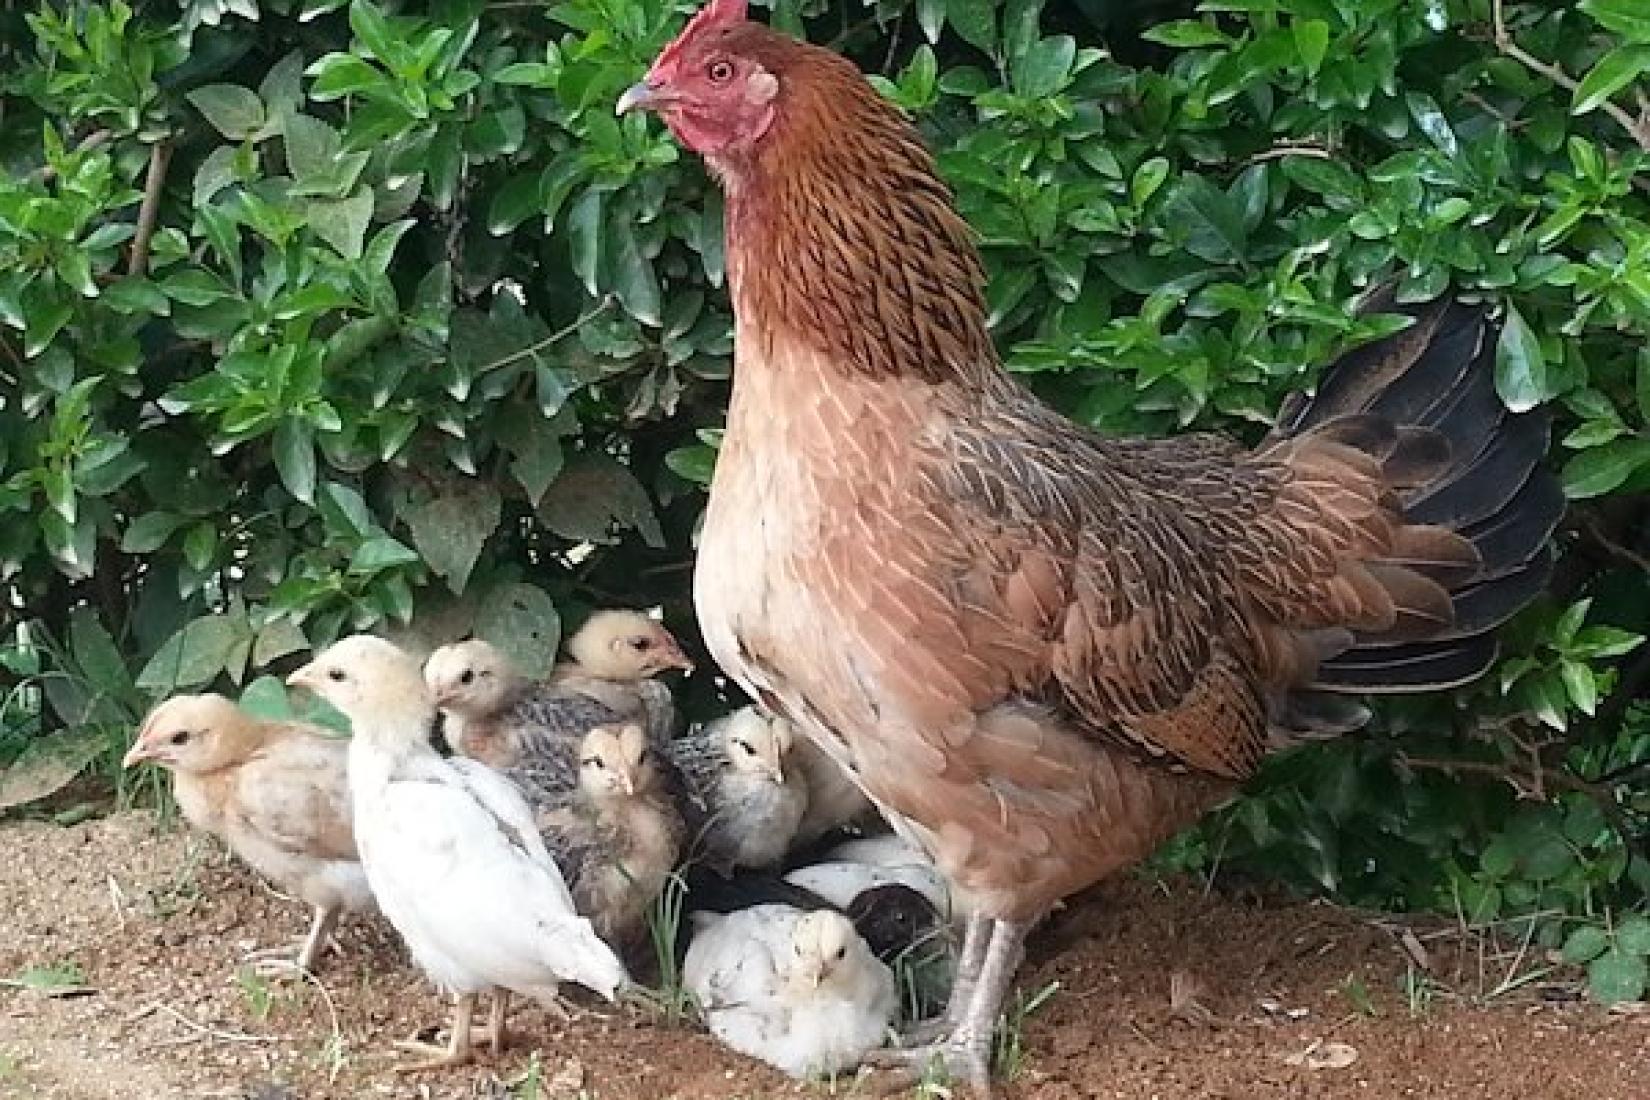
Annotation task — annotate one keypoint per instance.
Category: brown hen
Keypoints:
(1042, 651)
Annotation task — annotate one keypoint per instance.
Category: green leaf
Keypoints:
(193, 656)
(1614, 71)
(1617, 976)
(1585, 944)
(266, 698)
(235, 112)
(521, 619)
(343, 224)
(1629, 18)
(275, 640)
(695, 464)
(1147, 179)
(450, 531)
(594, 499)
(1045, 68)
(373, 29)
(633, 277)
(380, 553)
(1633, 934)
(149, 532)
(294, 445)
(1207, 222)
(136, 294)
(1581, 686)
(1602, 469)
(1521, 376)
(48, 764)
(975, 21)
(1186, 34)
(1311, 42)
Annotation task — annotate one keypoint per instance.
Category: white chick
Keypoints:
(276, 793)
(621, 839)
(452, 853)
(740, 766)
(613, 659)
(800, 991)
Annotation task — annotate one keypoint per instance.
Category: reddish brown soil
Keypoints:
(156, 921)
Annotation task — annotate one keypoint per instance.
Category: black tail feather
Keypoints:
(1435, 382)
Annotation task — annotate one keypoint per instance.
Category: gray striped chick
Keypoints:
(742, 769)
(621, 835)
(614, 659)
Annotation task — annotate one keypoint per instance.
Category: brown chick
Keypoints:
(614, 659)
(619, 841)
(277, 793)
(1038, 649)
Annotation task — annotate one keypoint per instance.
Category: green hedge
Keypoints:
(318, 318)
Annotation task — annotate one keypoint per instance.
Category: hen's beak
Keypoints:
(643, 97)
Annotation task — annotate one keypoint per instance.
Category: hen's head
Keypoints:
(615, 762)
(470, 678)
(192, 733)
(626, 646)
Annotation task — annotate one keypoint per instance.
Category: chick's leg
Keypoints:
(286, 962)
(495, 1035)
(457, 1052)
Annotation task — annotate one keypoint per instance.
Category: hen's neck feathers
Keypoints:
(842, 234)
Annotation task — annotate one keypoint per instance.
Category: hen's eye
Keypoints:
(720, 72)
(336, 675)
(468, 677)
(180, 738)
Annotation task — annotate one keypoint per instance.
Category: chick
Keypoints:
(614, 658)
(853, 868)
(622, 837)
(495, 714)
(835, 800)
(276, 793)
(452, 852)
(740, 766)
(800, 991)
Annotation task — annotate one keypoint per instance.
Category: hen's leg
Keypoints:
(495, 1036)
(281, 962)
(965, 1054)
(457, 1052)
(976, 939)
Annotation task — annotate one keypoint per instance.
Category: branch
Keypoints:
(1611, 546)
(160, 155)
(1637, 128)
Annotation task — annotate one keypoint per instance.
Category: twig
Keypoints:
(1625, 553)
(202, 1029)
(1637, 128)
(1292, 149)
(607, 303)
(160, 155)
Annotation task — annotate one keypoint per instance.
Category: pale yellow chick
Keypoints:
(277, 793)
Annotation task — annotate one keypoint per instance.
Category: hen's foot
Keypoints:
(961, 1058)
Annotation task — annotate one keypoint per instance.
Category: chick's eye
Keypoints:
(842, 952)
(592, 762)
(469, 677)
(180, 738)
(641, 645)
(720, 72)
(746, 747)
(336, 675)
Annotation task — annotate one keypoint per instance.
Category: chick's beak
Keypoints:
(641, 97)
(627, 785)
(304, 677)
(138, 753)
(675, 658)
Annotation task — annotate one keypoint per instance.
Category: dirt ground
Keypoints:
(1164, 992)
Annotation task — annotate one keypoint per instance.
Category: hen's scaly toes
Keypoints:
(955, 1060)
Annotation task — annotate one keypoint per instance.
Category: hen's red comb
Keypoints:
(717, 13)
